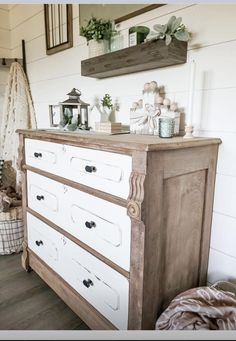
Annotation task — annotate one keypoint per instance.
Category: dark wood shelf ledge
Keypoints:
(145, 56)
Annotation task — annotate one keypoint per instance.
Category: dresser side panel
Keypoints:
(175, 211)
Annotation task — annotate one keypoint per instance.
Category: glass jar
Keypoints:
(116, 42)
(166, 127)
(137, 34)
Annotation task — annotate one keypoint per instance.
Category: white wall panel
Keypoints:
(223, 234)
(22, 31)
(5, 38)
(221, 267)
(4, 19)
(227, 152)
(21, 14)
(216, 109)
(225, 195)
(5, 52)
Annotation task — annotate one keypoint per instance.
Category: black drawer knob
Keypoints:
(38, 154)
(90, 224)
(40, 197)
(90, 169)
(39, 242)
(87, 283)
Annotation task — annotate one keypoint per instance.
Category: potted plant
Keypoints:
(173, 29)
(98, 33)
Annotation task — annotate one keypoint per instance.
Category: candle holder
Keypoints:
(166, 127)
(188, 132)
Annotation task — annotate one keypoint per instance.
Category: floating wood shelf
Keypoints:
(145, 56)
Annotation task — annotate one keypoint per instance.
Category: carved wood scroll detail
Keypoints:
(136, 195)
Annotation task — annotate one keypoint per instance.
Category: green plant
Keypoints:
(173, 29)
(97, 29)
(107, 101)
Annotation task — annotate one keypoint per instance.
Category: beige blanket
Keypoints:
(200, 308)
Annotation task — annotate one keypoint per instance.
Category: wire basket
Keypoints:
(11, 231)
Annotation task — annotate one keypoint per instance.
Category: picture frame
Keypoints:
(55, 115)
(58, 19)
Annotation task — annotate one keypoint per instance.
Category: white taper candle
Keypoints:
(189, 120)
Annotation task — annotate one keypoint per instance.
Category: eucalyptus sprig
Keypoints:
(173, 29)
(97, 29)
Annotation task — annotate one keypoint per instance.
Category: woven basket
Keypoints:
(11, 231)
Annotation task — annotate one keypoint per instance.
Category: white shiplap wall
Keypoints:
(214, 48)
(5, 49)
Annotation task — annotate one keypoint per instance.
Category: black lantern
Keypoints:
(75, 111)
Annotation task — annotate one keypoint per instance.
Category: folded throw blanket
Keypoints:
(200, 308)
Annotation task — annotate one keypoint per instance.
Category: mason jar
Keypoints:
(166, 127)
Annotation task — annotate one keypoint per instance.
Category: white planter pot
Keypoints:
(105, 114)
(97, 48)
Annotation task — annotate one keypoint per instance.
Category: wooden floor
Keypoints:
(27, 303)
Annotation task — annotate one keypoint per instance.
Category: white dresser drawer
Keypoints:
(99, 284)
(44, 242)
(105, 171)
(45, 196)
(44, 155)
(98, 223)
(103, 287)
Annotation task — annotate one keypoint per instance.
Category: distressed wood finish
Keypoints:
(172, 229)
(170, 207)
(83, 188)
(77, 303)
(122, 144)
(78, 242)
(145, 56)
(20, 166)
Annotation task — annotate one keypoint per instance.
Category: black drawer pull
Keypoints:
(40, 197)
(38, 154)
(90, 169)
(39, 242)
(87, 283)
(90, 224)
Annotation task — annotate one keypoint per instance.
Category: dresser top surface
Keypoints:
(122, 142)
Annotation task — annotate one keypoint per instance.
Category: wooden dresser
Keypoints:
(117, 225)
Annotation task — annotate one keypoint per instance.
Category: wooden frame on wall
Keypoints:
(58, 27)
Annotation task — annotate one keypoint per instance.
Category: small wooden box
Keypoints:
(108, 127)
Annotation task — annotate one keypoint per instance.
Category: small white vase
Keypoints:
(97, 48)
(104, 114)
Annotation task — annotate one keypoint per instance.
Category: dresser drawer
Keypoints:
(45, 196)
(103, 287)
(44, 242)
(44, 155)
(99, 284)
(98, 223)
(105, 171)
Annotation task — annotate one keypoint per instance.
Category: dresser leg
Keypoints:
(25, 257)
